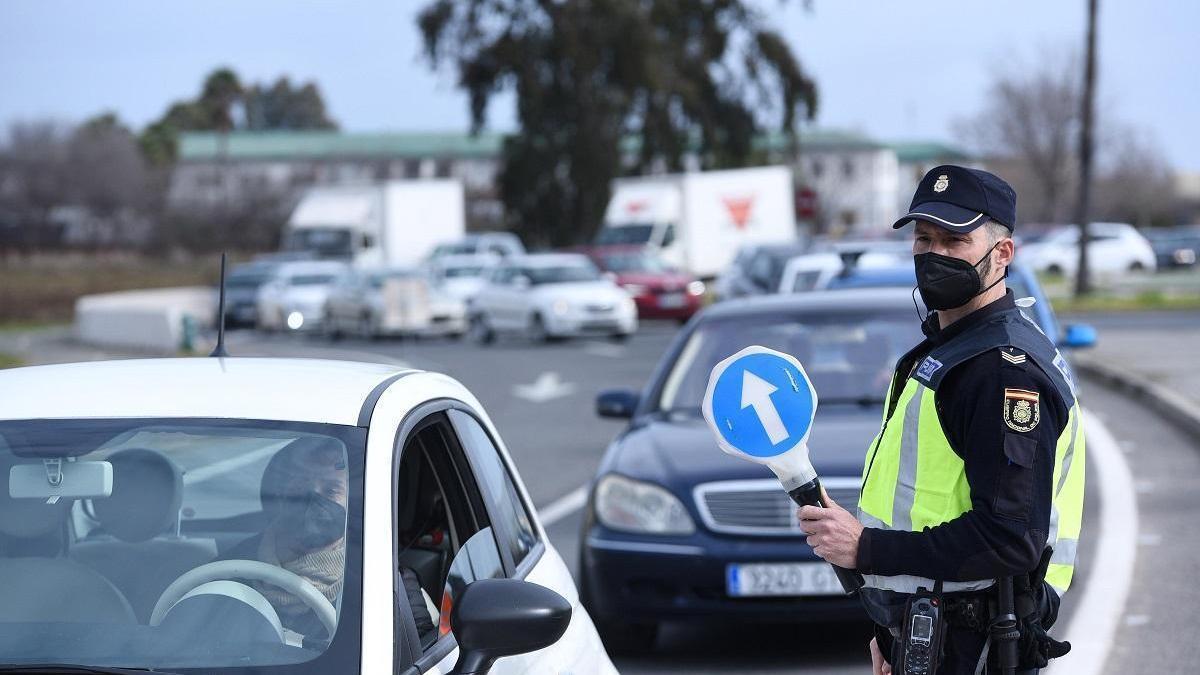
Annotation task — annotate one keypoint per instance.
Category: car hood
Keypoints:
(462, 288)
(667, 281)
(679, 451)
(580, 291)
(305, 295)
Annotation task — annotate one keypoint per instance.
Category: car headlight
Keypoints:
(696, 288)
(561, 307)
(629, 505)
(295, 320)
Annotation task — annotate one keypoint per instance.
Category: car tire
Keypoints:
(537, 330)
(1054, 270)
(480, 331)
(619, 337)
(1136, 266)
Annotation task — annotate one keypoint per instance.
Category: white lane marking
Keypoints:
(1137, 620)
(604, 349)
(563, 506)
(1150, 539)
(546, 387)
(1094, 623)
(209, 471)
(1144, 486)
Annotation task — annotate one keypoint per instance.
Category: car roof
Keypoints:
(550, 259)
(853, 299)
(467, 260)
(311, 267)
(306, 390)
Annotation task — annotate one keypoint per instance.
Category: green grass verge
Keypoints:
(1144, 301)
(10, 361)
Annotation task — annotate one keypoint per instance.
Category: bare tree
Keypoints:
(35, 160)
(1134, 182)
(1029, 117)
(109, 178)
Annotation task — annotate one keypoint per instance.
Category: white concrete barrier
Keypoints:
(145, 320)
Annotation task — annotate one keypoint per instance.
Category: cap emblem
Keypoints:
(942, 182)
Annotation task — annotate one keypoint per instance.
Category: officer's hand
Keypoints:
(878, 665)
(833, 532)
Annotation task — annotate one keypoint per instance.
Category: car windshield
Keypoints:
(465, 272)
(322, 241)
(168, 544)
(848, 355)
(311, 279)
(247, 280)
(633, 262)
(624, 234)
(561, 274)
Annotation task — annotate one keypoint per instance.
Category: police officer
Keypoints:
(978, 470)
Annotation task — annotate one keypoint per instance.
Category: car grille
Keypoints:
(761, 506)
(600, 308)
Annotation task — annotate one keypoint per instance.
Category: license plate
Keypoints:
(781, 579)
(670, 300)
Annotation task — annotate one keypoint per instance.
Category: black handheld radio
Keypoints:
(922, 634)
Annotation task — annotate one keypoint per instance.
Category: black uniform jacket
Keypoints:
(1006, 527)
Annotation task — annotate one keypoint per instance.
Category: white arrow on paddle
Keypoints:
(757, 392)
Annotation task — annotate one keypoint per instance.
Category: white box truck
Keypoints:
(392, 224)
(698, 221)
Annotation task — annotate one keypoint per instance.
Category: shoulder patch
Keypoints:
(1012, 355)
(928, 367)
(1021, 409)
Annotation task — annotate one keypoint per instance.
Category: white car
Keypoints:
(391, 302)
(294, 298)
(462, 276)
(1115, 248)
(297, 516)
(551, 295)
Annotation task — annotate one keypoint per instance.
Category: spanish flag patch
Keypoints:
(1021, 411)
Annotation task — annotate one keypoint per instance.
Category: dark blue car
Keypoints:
(676, 530)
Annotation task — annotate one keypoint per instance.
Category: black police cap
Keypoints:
(961, 199)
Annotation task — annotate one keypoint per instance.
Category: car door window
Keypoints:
(444, 538)
(508, 512)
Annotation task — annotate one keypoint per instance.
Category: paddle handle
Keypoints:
(809, 494)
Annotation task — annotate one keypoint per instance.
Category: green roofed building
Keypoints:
(858, 182)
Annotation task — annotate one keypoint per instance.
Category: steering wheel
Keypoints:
(247, 569)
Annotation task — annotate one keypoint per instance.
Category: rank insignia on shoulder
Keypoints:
(1015, 359)
(1021, 411)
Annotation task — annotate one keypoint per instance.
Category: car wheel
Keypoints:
(480, 331)
(627, 638)
(537, 329)
(332, 331)
(619, 337)
(1054, 270)
(1136, 266)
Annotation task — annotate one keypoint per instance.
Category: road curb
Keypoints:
(1166, 402)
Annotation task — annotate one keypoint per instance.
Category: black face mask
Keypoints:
(324, 522)
(946, 283)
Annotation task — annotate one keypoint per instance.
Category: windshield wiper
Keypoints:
(75, 669)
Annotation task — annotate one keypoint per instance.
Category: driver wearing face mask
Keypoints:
(305, 491)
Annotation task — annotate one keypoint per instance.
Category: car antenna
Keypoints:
(219, 350)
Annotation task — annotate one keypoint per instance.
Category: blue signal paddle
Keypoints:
(760, 406)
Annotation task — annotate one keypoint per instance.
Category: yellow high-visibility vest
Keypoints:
(913, 479)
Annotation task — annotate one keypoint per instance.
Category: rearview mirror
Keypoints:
(617, 403)
(494, 618)
(1078, 336)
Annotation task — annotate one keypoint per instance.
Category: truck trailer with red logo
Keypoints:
(697, 221)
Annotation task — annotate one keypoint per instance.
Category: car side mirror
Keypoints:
(1078, 336)
(494, 618)
(522, 282)
(617, 403)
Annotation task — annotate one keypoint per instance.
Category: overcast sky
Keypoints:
(895, 70)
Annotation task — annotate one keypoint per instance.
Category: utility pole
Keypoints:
(1082, 283)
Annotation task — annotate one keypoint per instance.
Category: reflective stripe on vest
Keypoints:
(913, 479)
